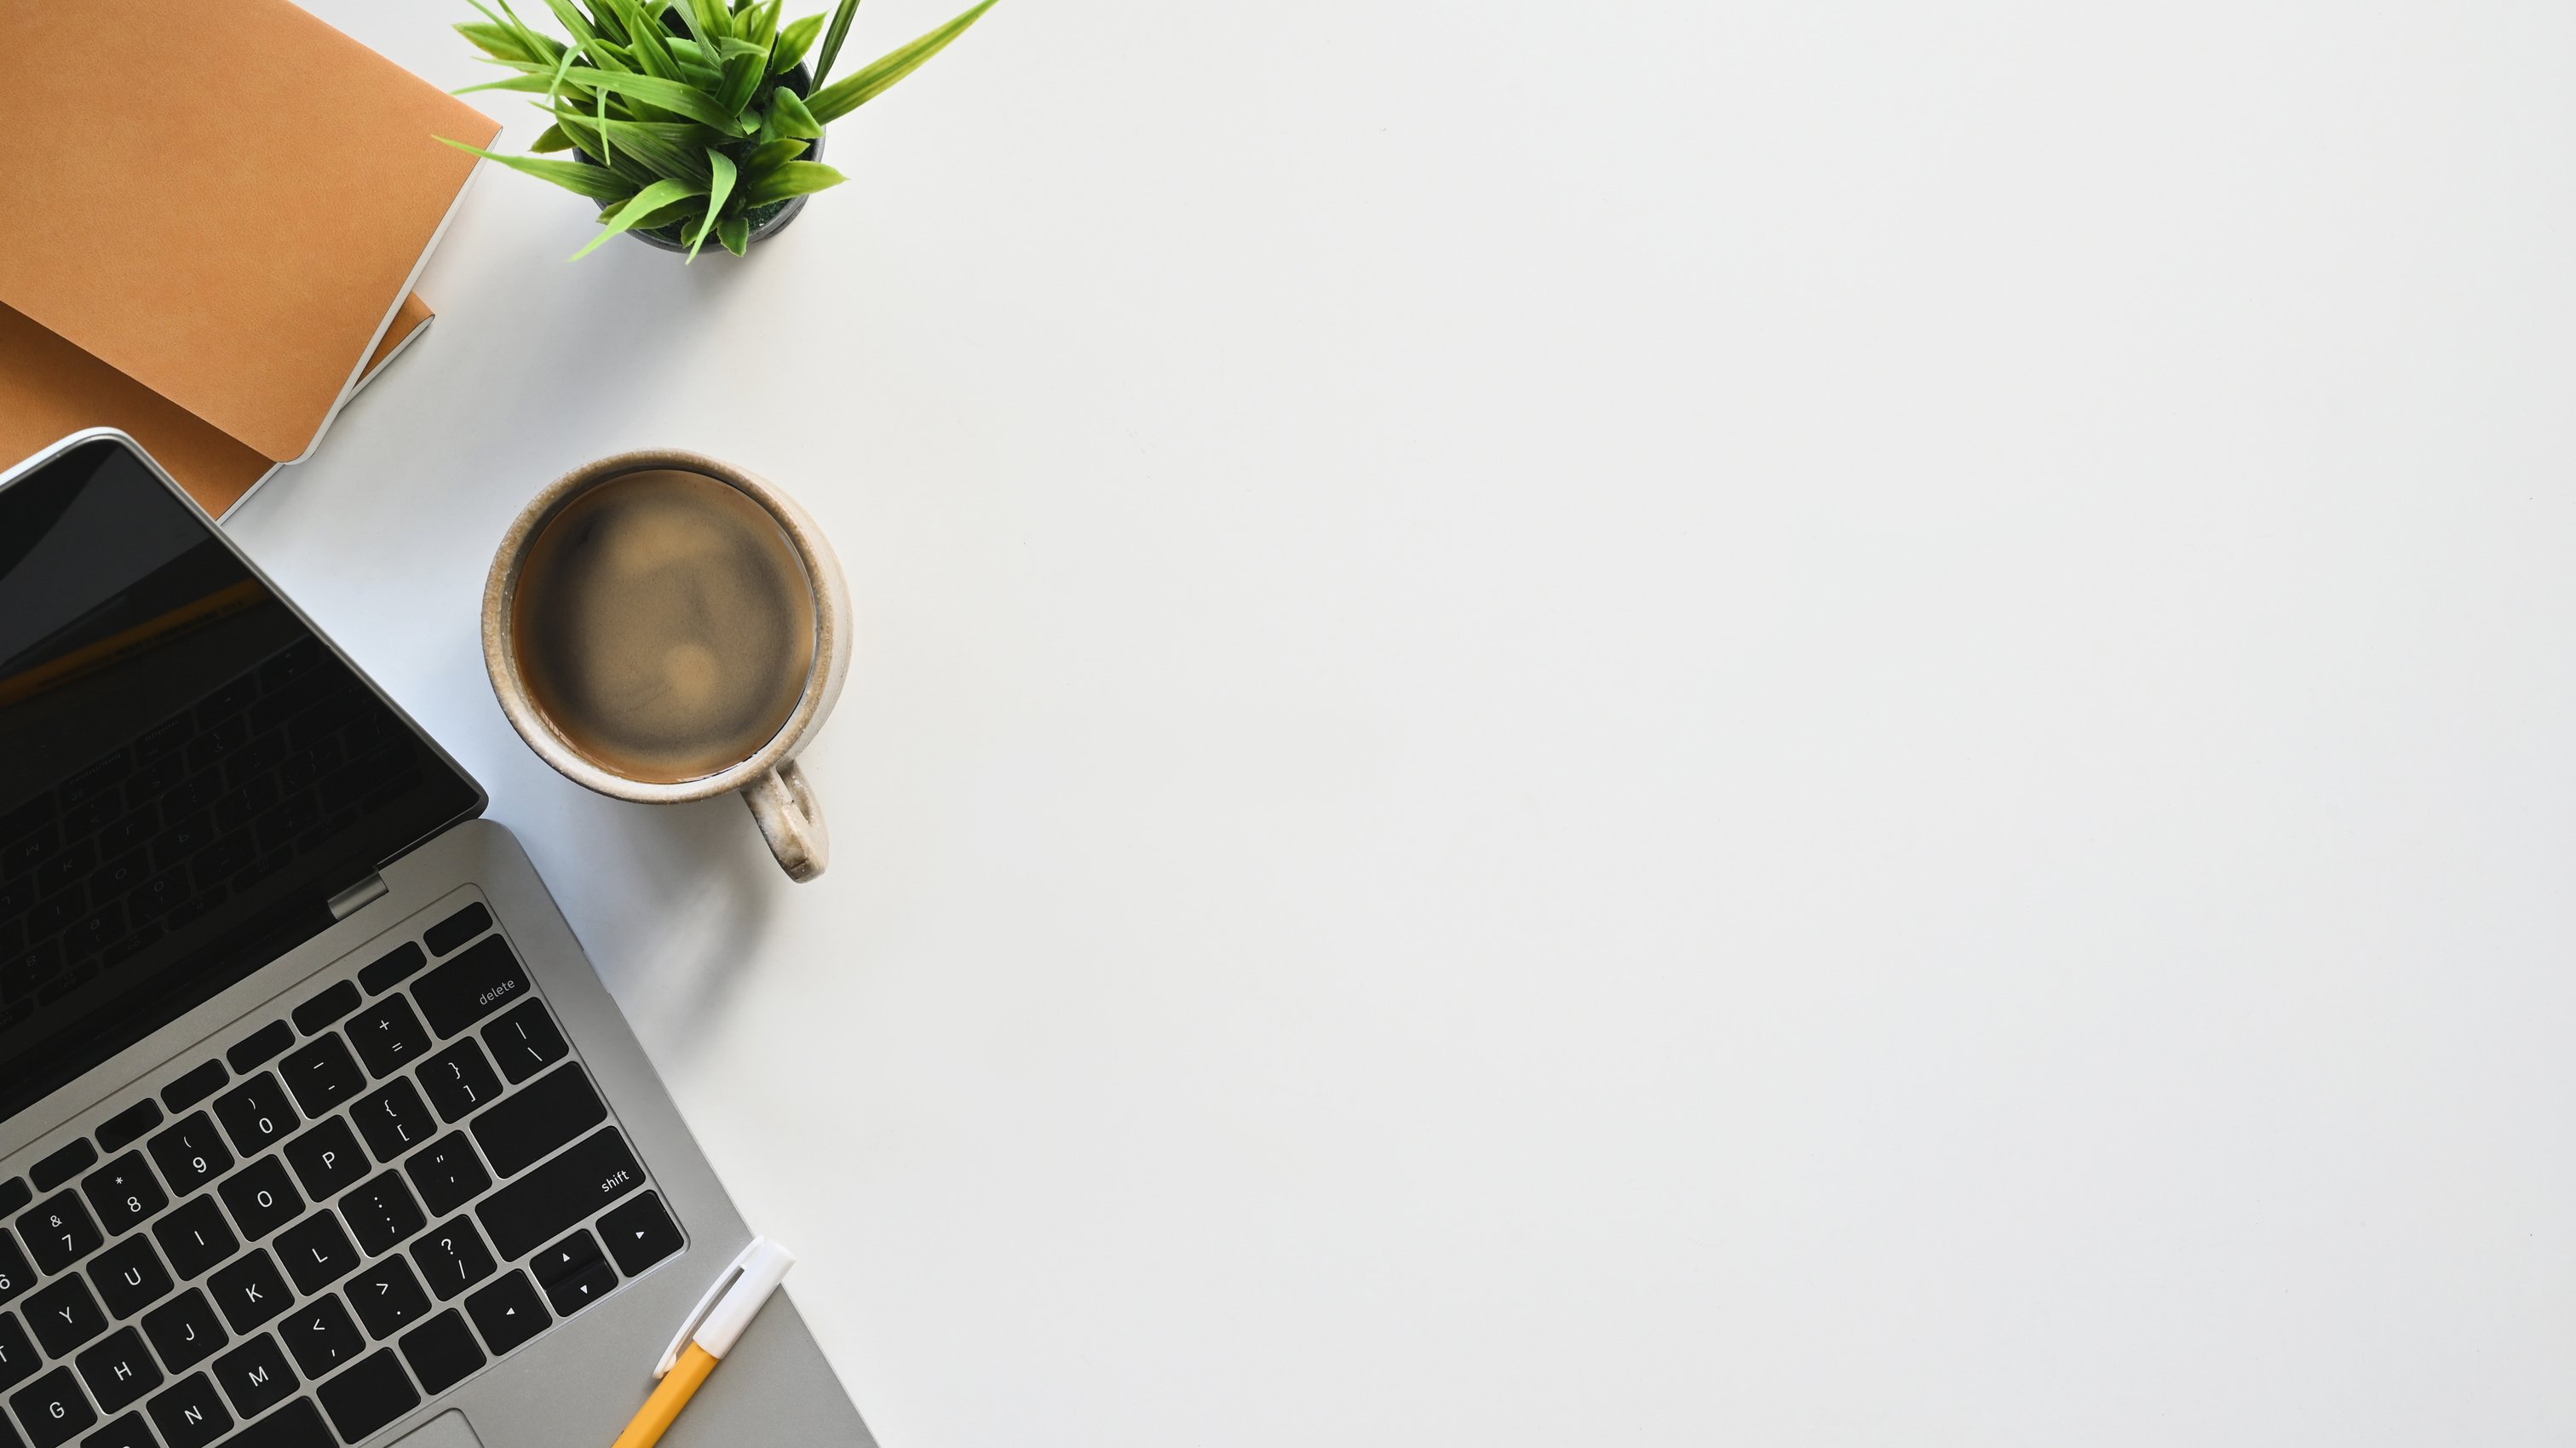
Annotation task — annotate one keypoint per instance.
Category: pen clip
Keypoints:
(706, 1304)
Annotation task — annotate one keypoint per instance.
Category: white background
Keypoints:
(1750, 723)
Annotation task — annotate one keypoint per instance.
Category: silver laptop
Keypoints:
(319, 1129)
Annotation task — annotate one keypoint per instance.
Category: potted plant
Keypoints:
(689, 120)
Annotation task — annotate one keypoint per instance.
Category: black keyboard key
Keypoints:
(369, 1396)
(16, 1273)
(560, 1195)
(316, 1252)
(124, 1193)
(388, 1036)
(255, 1113)
(459, 1081)
(507, 1313)
(261, 1198)
(64, 1164)
(322, 1074)
(525, 1041)
(382, 1214)
(260, 1045)
(29, 850)
(127, 1127)
(63, 1315)
(452, 1257)
(447, 1174)
(129, 1277)
(192, 1414)
(565, 1259)
(328, 1006)
(297, 1425)
(185, 1330)
(393, 1119)
(53, 1409)
(442, 1351)
(14, 1194)
(640, 1233)
(125, 1432)
(392, 968)
(525, 1128)
(322, 1336)
(18, 1357)
(255, 1376)
(195, 1086)
(59, 1232)
(388, 1297)
(471, 986)
(97, 780)
(458, 928)
(249, 1292)
(195, 1238)
(119, 1371)
(190, 1154)
(574, 1274)
(327, 1159)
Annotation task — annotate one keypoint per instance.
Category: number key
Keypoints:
(125, 1193)
(16, 1274)
(191, 1153)
(59, 1232)
(256, 1114)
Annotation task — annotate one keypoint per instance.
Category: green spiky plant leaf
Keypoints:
(688, 119)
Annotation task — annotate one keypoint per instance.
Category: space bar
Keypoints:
(551, 1200)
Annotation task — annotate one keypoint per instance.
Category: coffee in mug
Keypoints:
(661, 626)
(664, 626)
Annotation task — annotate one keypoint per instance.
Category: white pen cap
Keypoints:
(736, 1297)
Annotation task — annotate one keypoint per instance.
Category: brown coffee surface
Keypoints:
(664, 626)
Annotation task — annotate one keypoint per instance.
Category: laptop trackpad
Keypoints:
(447, 1430)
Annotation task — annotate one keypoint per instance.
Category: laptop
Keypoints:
(316, 1127)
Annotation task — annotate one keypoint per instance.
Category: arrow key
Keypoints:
(640, 1233)
(508, 1312)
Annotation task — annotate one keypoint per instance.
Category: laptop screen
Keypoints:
(188, 773)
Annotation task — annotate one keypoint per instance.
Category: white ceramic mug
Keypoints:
(789, 817)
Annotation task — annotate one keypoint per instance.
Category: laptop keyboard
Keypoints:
(343, 1212)
(225, 793)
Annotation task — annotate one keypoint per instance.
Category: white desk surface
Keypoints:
(1797, 723)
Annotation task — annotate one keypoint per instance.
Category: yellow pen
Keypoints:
(714, 1326)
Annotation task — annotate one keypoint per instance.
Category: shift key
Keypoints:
(562, 1194)
(470, 987)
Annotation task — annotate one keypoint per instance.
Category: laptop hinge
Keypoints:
(357, 897)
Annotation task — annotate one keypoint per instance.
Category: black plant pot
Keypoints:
(765, 221)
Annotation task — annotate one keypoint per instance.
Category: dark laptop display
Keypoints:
(187, 773)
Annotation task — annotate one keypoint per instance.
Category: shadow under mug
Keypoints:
(789, 817)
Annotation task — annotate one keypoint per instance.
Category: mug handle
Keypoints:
(791, 820)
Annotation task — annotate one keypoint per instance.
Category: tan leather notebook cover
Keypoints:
(50, 388)
(236, 222)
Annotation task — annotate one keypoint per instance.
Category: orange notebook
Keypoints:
(216, 262)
